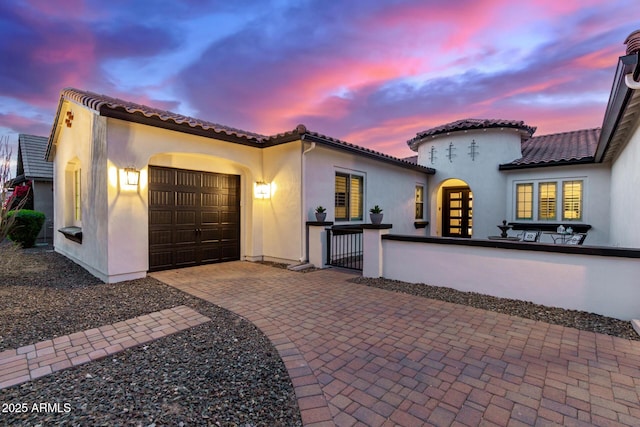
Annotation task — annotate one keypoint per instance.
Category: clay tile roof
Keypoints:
(302, 131)
(469, 124)
(568, 147)
(98, 102)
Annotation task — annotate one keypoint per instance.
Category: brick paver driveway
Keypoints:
(364, 356)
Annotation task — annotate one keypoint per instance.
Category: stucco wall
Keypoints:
(600, 284)
(131, 144)
(625, 194)
(595, 205)
(282, 213)
(82, 144)
(389, 186)
(480, 172)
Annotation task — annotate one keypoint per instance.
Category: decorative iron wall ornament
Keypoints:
(450, 154)
(473, 149)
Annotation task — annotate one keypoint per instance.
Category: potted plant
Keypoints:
(321, 214)
(375, 213)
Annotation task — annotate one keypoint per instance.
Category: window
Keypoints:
(419, 201)
(77, 209)
(572, 200)
(547, 201)
(348, 197)
(559, 200)
(524, 201)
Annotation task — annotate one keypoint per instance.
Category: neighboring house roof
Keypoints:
(472, 124)
(130, 111)
(32, 164)
(557, 149)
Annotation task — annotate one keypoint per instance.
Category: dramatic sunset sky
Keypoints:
(369, 72)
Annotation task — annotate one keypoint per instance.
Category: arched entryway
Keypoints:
(455, 200)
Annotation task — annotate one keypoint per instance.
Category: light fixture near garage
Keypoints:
(133, 176)
(262, 190)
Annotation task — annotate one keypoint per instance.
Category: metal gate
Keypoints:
(344, 246)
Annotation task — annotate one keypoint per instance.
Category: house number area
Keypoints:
(38, 407)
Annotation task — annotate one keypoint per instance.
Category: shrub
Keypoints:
(26, 226)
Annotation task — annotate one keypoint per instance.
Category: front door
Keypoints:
(457, 209)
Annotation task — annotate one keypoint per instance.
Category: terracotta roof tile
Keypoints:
(301, 130)
(97, 102)
(579, 145)
(469, 124)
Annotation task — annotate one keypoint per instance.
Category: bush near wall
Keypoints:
(26, 226)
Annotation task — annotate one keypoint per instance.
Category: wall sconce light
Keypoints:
(262, 190)
(132, 176)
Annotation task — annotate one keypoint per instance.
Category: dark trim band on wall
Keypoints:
(522, 246)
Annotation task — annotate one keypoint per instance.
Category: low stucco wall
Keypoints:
(597, 280)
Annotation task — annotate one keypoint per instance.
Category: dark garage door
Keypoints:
(194, 218)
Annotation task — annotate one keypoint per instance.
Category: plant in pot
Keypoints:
(375, 213)
(321, 214)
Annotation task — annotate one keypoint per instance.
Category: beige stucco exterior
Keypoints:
(115, 217)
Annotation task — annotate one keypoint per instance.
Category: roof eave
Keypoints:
(514, 166)
(117, 113)
(618, 100)
(362, 152)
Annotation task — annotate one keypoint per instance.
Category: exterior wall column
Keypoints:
(317, 243)
(372, 249)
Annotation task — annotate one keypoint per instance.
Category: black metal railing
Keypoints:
(344, 246)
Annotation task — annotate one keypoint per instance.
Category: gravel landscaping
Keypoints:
(557, 316)
(222, 373)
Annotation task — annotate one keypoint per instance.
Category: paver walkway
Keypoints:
(36, 360)
(363, 356)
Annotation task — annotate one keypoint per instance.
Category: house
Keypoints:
(35, 172)
(139, 189)
(491, 170)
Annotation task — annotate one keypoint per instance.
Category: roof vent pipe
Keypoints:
(633, 47)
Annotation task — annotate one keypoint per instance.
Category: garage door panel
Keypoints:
(210, 217)
(229, 253)
(208, 235)
(211, 253)
(228, 233)
(186, 218)
(159, 198)
(162, 259)
(186, 178)
(162, 176)
(227, 217)
(185, 236)
(210, 200)
(194, 217)
(161, 217)
(185, 199)
(160, 237)
(185, 257)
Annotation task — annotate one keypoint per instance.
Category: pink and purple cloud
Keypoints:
(371, 73)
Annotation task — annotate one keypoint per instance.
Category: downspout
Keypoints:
(630, 82)
(304, 255)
